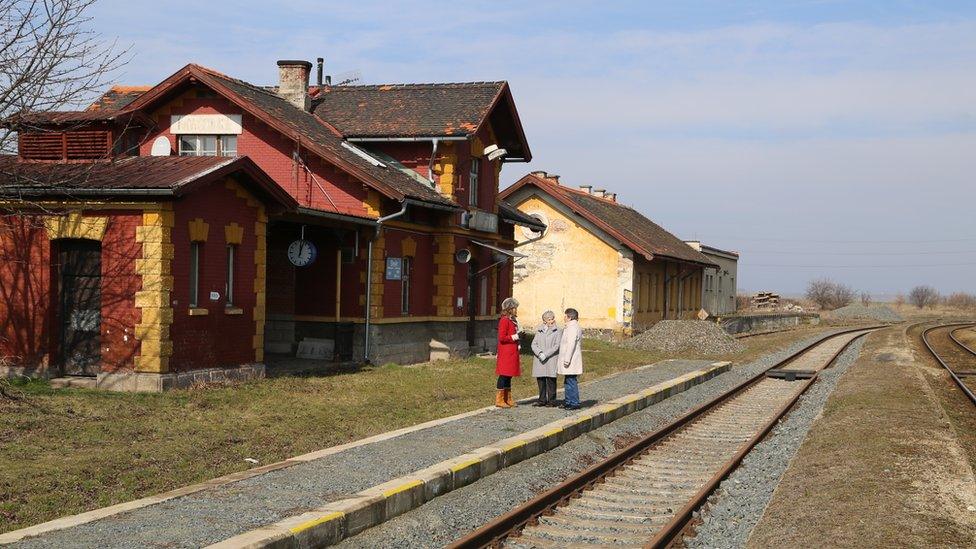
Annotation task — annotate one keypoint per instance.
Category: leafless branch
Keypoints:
(50, 59)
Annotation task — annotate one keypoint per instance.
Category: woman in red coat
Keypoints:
(508, 365)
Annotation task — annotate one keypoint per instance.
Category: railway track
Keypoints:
(958, 359)
(646, 494)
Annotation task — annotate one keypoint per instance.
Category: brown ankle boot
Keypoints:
(508, 399)
(500, 399)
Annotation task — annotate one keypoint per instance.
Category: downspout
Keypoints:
(430, 165)
(369, 275)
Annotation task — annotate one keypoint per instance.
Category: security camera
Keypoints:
(494, 153)
(463, 255)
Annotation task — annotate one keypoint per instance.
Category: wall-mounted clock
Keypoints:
(302, 252)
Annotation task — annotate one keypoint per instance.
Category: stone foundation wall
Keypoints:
(762, 323)
(157, 383)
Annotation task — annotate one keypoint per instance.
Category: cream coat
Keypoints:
(571, 350)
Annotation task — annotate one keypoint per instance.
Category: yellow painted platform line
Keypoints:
(402, 487)
(315, 522)
(465, 464)
(553, 432)
(513, 445)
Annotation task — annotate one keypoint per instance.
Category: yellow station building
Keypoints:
(619, 269)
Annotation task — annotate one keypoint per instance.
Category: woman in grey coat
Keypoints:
(545, 351)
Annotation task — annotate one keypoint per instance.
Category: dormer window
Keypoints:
(208, 145)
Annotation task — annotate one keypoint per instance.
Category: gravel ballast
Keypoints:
(736, 506)
(217, 514)
(707, 338)
(455, 514)
(858, 311)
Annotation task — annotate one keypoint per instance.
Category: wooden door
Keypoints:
(80, 297)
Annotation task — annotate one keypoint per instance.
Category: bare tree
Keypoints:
(50, 59)
(865, 298)
(900, 299)
(828, 294)
(961, 300)
(923, 296)
(820, 292)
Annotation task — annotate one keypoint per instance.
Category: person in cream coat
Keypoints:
(571, 359)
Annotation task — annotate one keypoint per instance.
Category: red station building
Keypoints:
(181, 233)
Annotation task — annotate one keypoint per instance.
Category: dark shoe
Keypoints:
(552, 404)
(539, 404)
(568, 407)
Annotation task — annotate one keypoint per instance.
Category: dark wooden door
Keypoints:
(80, 273)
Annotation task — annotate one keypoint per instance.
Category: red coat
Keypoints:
(508, 350)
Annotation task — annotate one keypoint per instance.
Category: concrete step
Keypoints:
(73, 381)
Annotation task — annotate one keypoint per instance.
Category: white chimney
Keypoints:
(586, 188)
(599, 192)
(293, 82)
(540, 173)
(554, 177)
(612, 197)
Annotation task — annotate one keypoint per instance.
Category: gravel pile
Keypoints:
(881, 313)
(736, 507)
(448, 517)
(704, 337)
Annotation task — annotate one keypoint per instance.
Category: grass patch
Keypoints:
(66, 451)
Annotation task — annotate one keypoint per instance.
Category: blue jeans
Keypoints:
(571, 384)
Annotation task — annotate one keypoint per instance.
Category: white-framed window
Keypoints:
(195, 251)
(473, 181)
(405, 285)
(208, 145)
(229, 281)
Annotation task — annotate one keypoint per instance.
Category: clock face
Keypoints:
(301, 253)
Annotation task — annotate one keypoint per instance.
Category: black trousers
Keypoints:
(504, 382)
(547, 389)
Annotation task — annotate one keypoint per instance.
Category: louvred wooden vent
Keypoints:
(73, 145)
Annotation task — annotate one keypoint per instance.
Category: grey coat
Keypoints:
(545, 351)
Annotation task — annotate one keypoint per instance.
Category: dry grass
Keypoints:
(880, 468)
(70, 450)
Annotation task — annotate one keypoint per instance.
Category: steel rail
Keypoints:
(928, 345)
(513, 521)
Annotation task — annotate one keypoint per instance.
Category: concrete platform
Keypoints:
(322, 497)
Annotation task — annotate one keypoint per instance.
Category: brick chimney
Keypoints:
(293, 82)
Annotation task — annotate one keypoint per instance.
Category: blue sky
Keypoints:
(817, 138)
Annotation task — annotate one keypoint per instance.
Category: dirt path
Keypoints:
(883, 466)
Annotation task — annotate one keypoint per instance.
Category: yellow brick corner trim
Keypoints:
(233, 233)
(74, 225)
(372, 203)
(260, 282)
(199, 230)
(155, 234)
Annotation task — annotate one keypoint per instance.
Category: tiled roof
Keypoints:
(117, 98)
(130, 175)
(407, 110)
(58, 117)
(317, 132)
(622, 222)
(512, 214)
